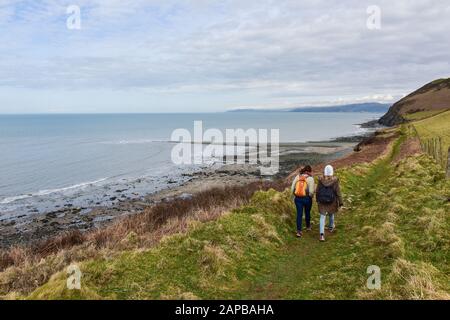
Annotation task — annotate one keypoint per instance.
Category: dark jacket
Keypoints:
(334, 206)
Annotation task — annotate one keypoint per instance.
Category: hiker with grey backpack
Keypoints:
(329, 199)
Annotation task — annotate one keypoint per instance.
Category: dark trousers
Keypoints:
(306, 203)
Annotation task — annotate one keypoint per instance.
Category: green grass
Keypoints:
(395, 216)
(436, 127)
(421, 115)
(388, 224)
(207, 262)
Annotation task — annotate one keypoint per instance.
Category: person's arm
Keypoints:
(293, 184)
(311, 186)
(317, 188)
(338, 193)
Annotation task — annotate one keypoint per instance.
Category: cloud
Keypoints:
(243, 52)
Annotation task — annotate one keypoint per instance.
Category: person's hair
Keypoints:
(306, 169)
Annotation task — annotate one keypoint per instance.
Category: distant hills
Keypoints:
(356, 107)
(431, 98)
(258, 110)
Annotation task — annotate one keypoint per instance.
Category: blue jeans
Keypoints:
(306, 203)
(322, 222)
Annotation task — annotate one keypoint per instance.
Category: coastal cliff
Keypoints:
(431, 98)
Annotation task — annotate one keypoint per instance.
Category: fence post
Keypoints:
(448, 163)
(433, 148)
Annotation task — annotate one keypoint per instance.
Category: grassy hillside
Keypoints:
(432, 97)
(396, 217)
(434, 134)
(421, 115)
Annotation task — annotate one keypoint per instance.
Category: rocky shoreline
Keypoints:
(25, 229)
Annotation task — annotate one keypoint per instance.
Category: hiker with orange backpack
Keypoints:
(303, 190)
(329, 199)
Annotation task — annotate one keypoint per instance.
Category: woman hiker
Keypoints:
(329, 199)
(303, 190)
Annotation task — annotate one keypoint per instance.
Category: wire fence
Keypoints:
(435, 148)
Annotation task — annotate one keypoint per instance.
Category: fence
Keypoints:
(435, 148)
(448, 163)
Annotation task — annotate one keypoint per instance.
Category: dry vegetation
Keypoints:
(26, 267)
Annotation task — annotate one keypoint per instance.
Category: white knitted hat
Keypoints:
(329, 171)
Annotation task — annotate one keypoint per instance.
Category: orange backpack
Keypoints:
(301, 187)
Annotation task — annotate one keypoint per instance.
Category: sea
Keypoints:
(51, 161)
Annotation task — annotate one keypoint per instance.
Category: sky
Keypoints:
(211, 56)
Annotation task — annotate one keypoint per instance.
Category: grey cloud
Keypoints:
(274, 49)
